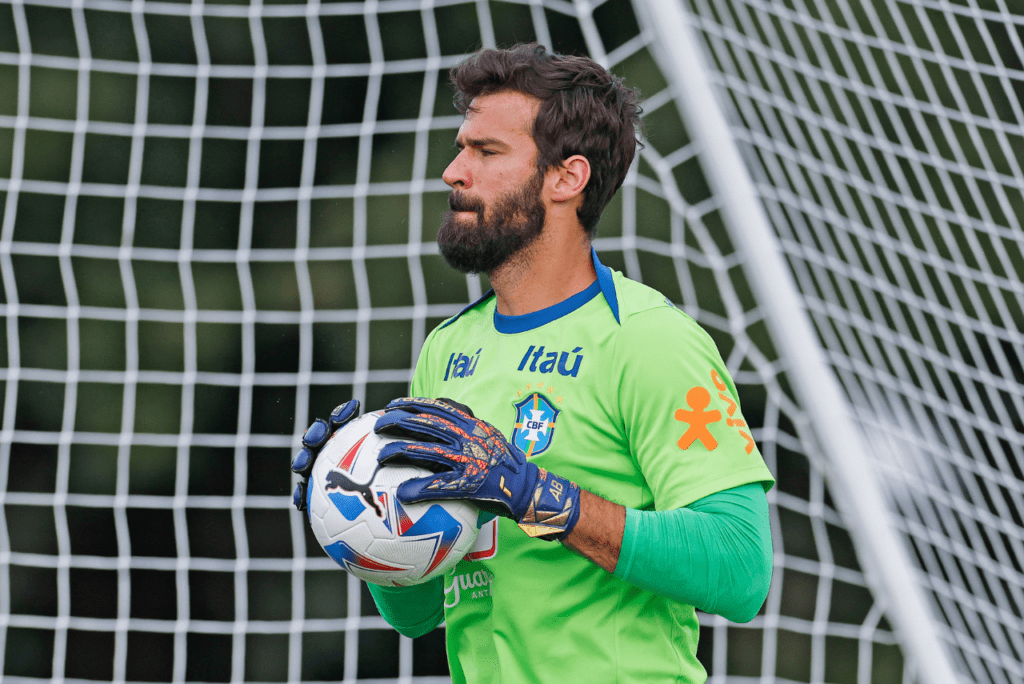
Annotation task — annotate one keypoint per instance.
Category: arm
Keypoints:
(715, 554)
(680, 414)
(598, 534)
(412, 611)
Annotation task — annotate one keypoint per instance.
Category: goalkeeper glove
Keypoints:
(473, 461)
(313, 440)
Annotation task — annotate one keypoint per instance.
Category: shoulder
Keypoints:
(636, 298)
(467, 322)
(480, 310)
(466, 327)
(459, 334)
(648, 319)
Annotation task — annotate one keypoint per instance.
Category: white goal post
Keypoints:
(218, 222)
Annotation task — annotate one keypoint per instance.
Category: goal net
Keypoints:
(885, 145)
(218, 222)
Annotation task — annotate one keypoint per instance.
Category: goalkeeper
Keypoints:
(596, 419)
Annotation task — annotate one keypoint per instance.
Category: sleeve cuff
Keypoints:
(629, 536)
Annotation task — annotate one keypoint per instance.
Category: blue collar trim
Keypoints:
(604, 278)
(533, 320)
(516, 324)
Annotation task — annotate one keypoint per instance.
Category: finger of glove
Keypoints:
(462, 407)
(302, 462)
(299, 496)
(458, 426)
(441, 488)
(435, 407)
(316, 435)
(411, 491)
(344, 413)
(514, 458)
(430, 456)
(419, 427)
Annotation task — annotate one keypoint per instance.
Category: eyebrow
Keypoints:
(478, 142)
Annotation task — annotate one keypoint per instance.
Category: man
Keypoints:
(583, 408)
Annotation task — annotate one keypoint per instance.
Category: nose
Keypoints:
(457, 172)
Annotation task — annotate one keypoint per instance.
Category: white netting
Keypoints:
(885, 140)
(218, 223)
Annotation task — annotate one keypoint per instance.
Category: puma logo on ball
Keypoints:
(339, 480)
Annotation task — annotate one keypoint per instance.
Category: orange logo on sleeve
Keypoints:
(730, 421)
(698, 419)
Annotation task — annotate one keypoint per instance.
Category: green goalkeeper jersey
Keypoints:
(624, 394)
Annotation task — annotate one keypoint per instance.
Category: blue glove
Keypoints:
(473, 461)
(313, 441)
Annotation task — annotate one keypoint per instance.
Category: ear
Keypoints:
(569, 179)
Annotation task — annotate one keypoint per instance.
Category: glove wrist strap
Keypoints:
(553, 509)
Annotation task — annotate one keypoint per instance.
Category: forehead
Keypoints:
(507, 116)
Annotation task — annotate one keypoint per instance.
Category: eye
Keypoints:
(488, 153)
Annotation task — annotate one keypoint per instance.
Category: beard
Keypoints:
(514, 222)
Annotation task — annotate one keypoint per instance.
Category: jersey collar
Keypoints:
(516, 324)
(604, 279)
(535, 319)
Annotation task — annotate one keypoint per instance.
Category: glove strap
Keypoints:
(553, 509)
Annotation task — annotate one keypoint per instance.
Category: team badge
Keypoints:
(535, 424)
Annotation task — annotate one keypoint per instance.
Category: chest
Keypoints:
(551, 393)
(520, 383)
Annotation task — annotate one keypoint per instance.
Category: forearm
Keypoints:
(715, 554)
(598, 533)
(413, 611)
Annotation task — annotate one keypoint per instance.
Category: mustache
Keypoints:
(459, 202)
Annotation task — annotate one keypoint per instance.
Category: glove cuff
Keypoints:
(554, 508)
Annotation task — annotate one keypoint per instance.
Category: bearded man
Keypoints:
(599, 423)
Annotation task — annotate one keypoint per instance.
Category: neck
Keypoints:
(552, 269)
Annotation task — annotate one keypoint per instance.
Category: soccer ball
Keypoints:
(361, 524)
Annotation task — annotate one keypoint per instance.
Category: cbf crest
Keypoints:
(535, 424)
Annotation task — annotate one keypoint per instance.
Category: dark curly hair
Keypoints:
(584, 110)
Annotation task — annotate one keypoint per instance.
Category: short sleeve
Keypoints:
(420, 385)
(680, 410)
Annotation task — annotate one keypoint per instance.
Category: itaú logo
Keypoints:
(462, 365)
(538, 360)
(473, 585)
